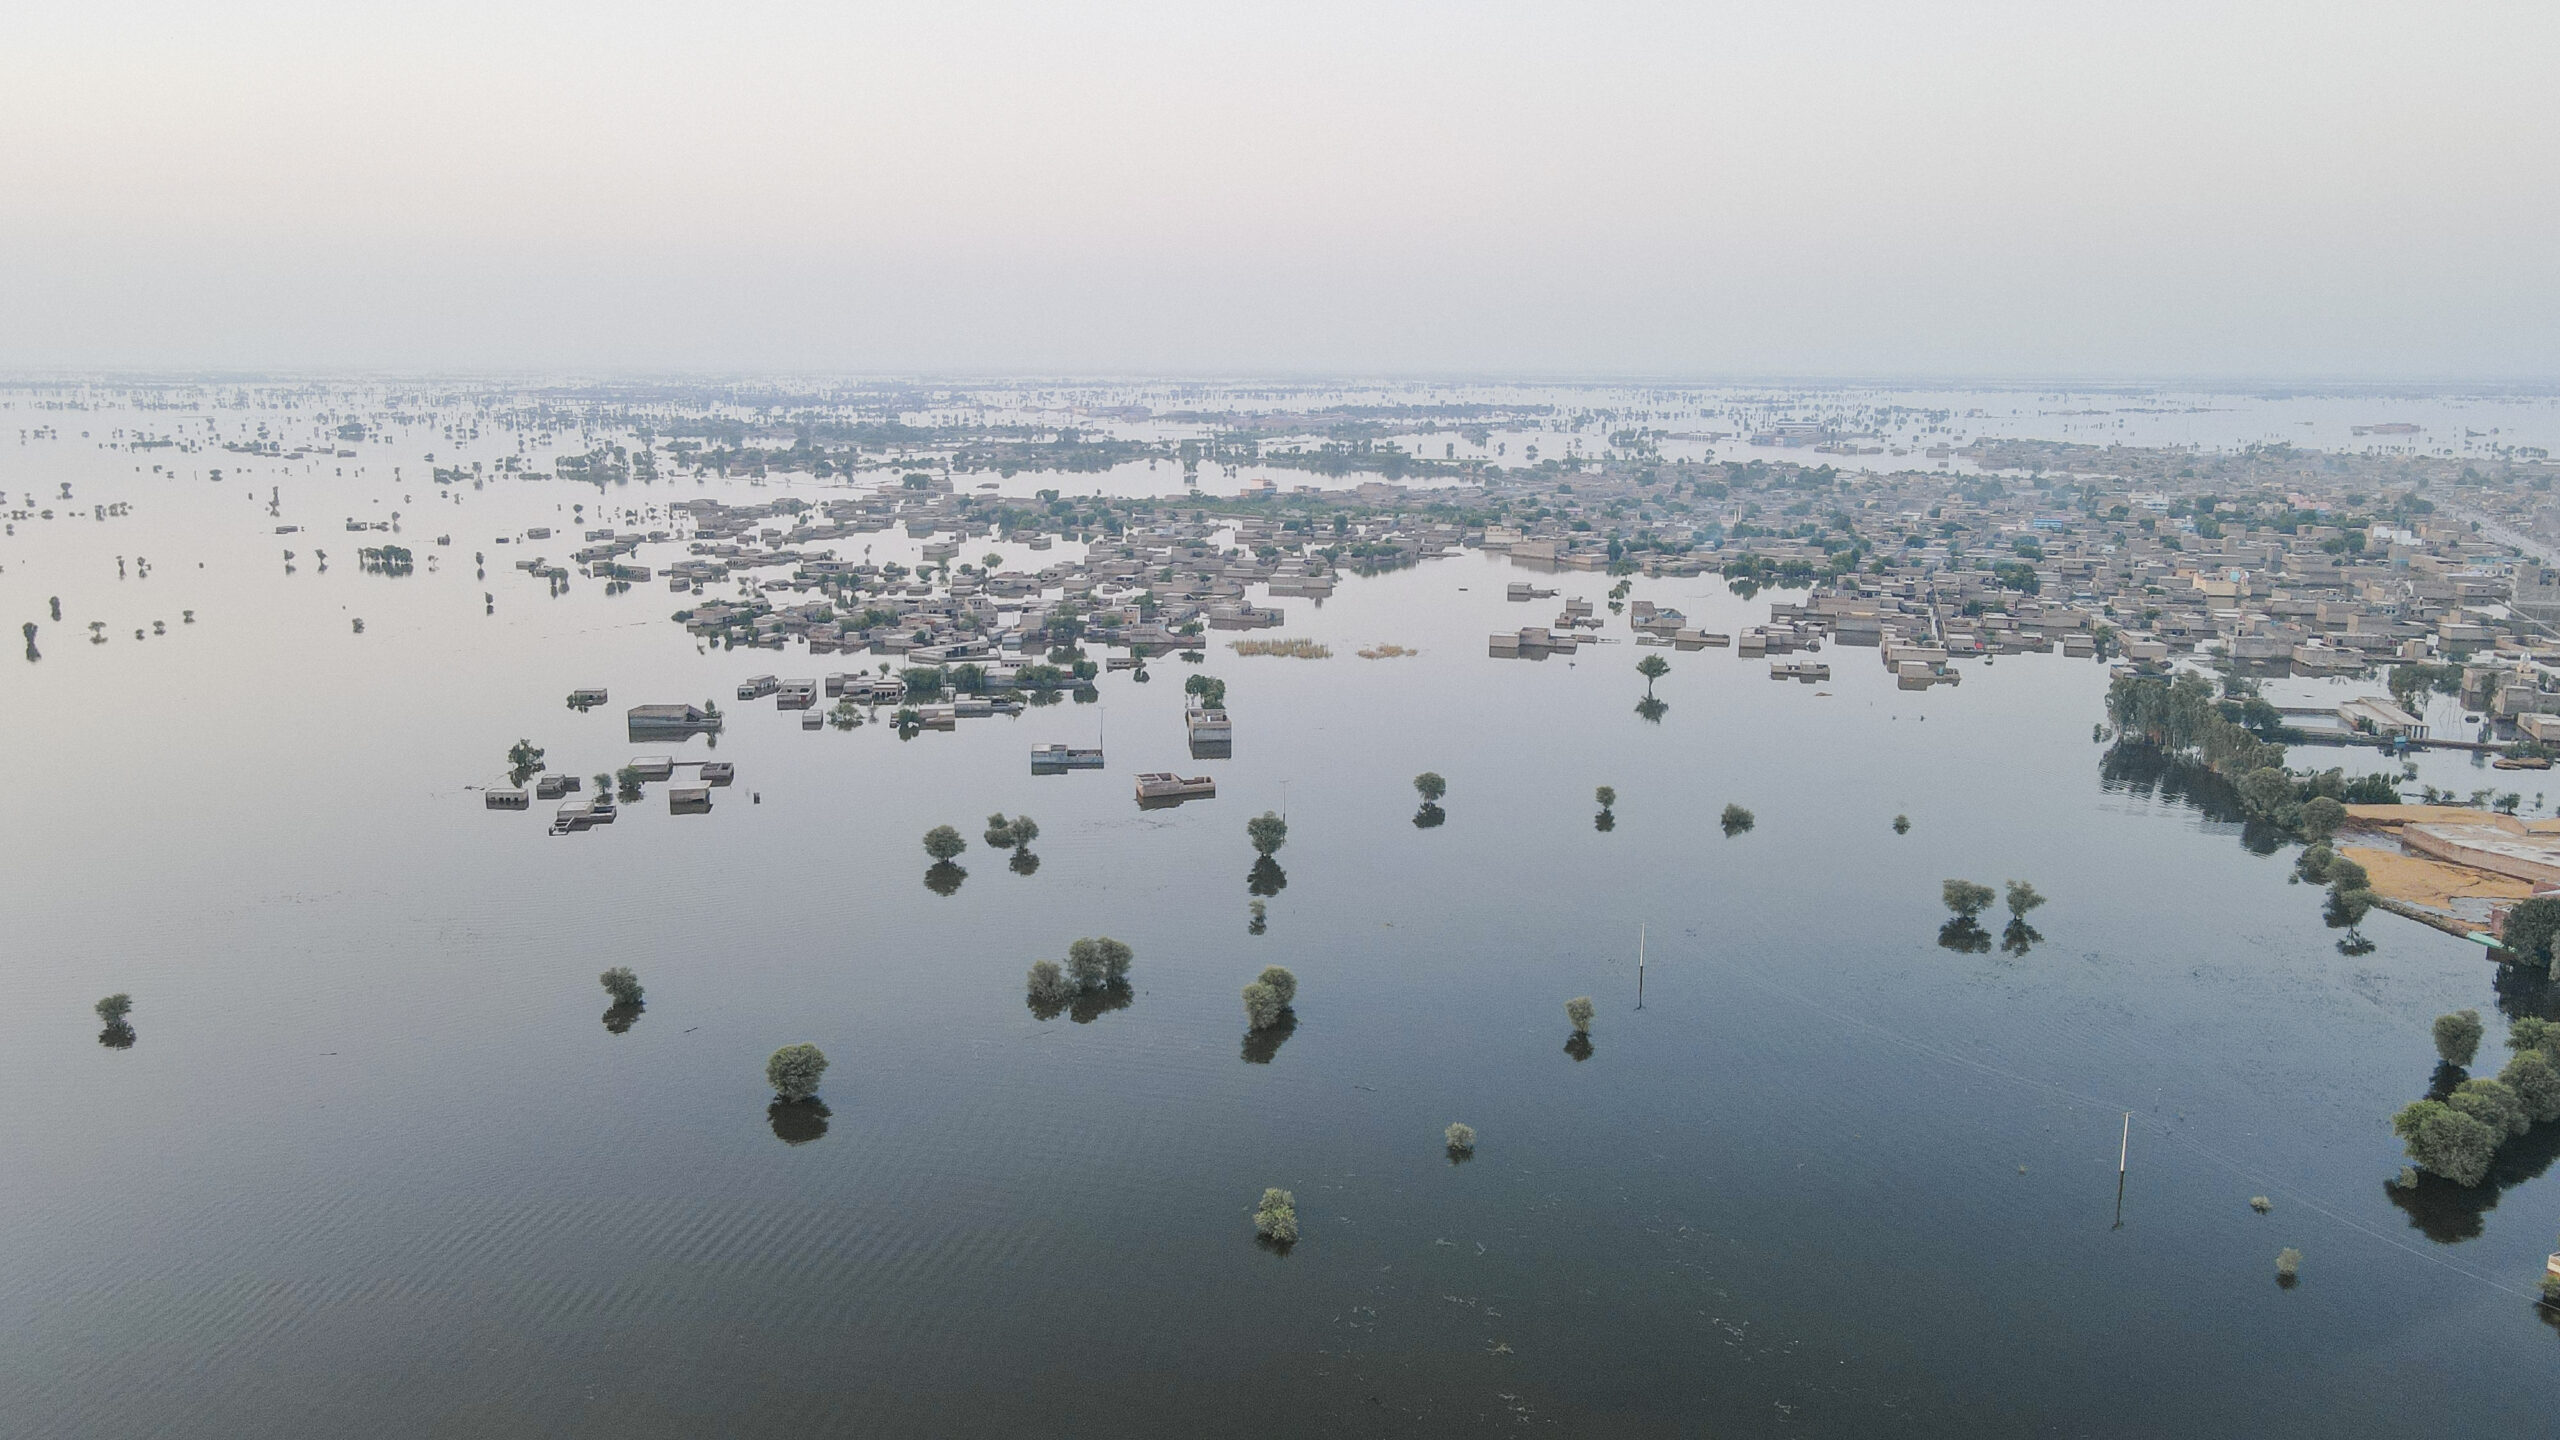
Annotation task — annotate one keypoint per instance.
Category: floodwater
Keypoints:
(374, 1164)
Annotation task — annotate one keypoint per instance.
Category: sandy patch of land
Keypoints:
(2433, 884)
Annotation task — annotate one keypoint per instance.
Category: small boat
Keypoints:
(1158, 787)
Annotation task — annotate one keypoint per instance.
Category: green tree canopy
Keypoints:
(2444, 1141)
(1966, 898)
(793, 1071)
(2457, 1036)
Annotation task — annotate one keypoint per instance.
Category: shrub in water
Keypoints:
(1736, 820)
(115, 1007)
(1579, 1010)
(622, 985)
(1461, 1137)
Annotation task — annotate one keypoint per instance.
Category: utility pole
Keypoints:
(1639, 965)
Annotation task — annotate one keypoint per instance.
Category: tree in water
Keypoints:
(2320, 819)
(1017, 834)
(1430, 787)
(1737, 821)
(1049, 989)
(1014, 834)
(1269, 997)
(2528, 932)
(1268, 832)
(1901, 824)
(118, 1035)
(944, 843)
(2442, 1140)
(524, 758)
(1652, 668)
(627, 1005)
(1461, 1139)
(2457, 1036)
(1579, 1010)
(1275, 1220)
(1094, 963)
(2019, 937)
(794, 1070)
(2350, 898)
(1966, 898)
(1259, 917)
(2288, 1267)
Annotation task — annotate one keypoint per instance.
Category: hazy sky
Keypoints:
(2029, 190)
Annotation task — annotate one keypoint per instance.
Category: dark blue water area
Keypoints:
(375, 1165)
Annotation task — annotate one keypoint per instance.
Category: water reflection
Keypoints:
(1964, 936)
(1578, 1046)
(2147, 771)
(117, 1036)
(1605, 821)
(1091, 1005)
(944, 878)
(797, 1122)
(1260, 1045)
(1429, 817)
(1652, 710)
(2526, 990)
(2450, 1214)
(2017, 938)
(1266, 878)
(1023, 863)
(619, 1016)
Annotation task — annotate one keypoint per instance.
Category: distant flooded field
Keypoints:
(380, 1156)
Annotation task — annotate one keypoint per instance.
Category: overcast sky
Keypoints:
(1577, 188)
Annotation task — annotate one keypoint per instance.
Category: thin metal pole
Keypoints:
(2125, 1144)
(1639, 965)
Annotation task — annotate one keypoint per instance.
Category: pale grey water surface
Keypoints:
(374, 1166)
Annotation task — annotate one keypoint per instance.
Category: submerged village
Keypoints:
(866, 587)
(2419, 574)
